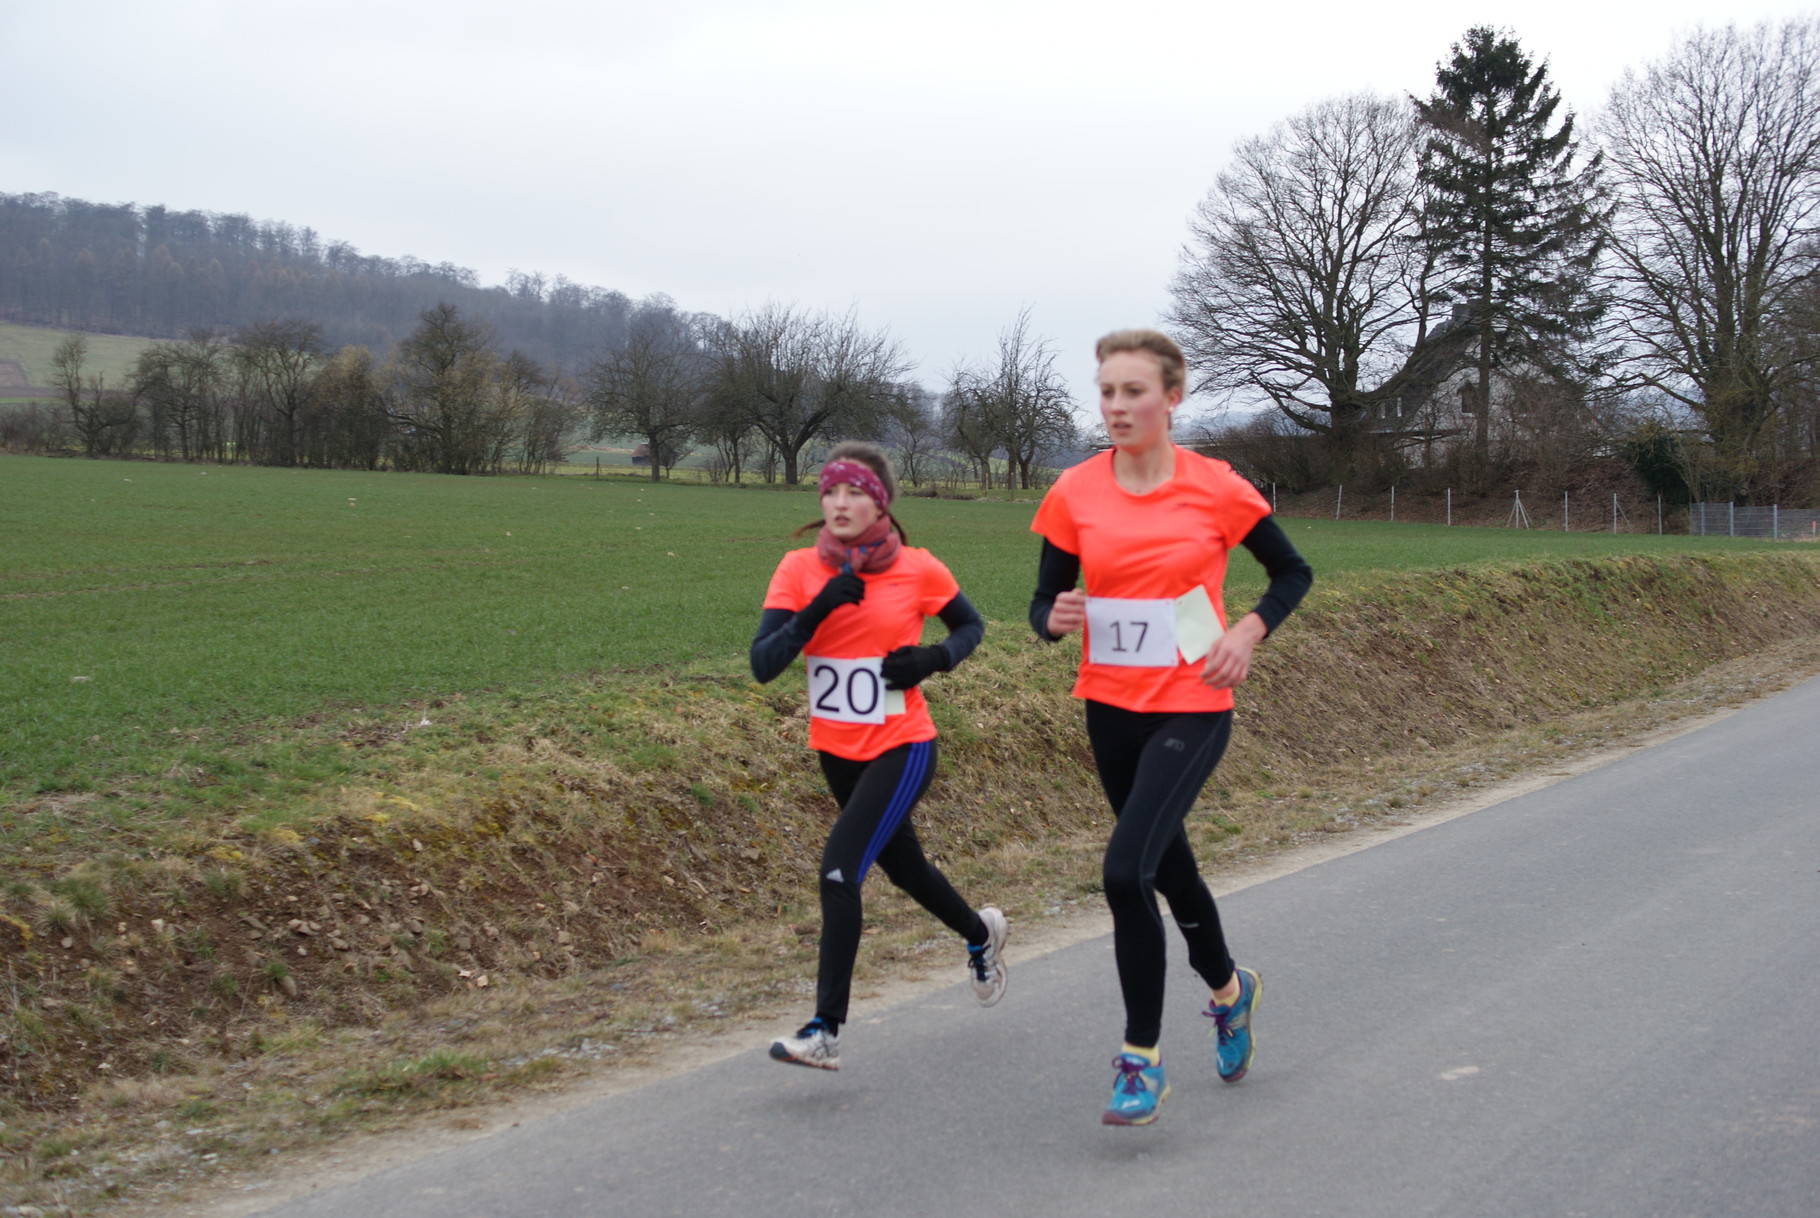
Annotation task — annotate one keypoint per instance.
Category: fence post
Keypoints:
(1658, 515)
(1564, 511)
(1614, 513)
(1731, 519)
(1393, 504)
(1338, 497)
(1775, 522)
(1450, 506)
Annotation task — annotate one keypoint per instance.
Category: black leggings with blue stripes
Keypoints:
(874, 826)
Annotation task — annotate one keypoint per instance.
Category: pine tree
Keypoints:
(1516, 228)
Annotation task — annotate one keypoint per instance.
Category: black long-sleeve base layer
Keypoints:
(1290, 577)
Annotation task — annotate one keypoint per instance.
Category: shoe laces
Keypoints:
(1131, 1074)
(1218, 1015)
(815, 1027)
(976, 959)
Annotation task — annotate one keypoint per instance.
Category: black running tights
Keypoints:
(1152, 767)
(874, 826)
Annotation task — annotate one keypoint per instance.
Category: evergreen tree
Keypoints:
(1515, 226)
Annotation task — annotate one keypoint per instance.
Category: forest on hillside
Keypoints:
(122, 268)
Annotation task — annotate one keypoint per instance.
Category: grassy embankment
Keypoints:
(330, 795)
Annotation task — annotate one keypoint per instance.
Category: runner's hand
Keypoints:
(844, 589)
(1229, 662)
(1068, 613)
(909, 666)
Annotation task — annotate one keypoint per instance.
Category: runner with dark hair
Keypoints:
(853, 605)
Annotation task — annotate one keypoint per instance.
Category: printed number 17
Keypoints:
(1118, 635)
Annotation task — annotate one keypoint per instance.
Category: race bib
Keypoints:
(1131, 633)
(851, 691)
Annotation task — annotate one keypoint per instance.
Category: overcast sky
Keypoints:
(935, 165)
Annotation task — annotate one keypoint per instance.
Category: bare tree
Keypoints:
(444, 401)
(67, 359)
(104, 420)
(655, 387)
(968, 425)
(913, 429)
(279, 358)
(542, 412)
(181, 385)
(797, 377)
(1304, 282)
(1715, 155)
(356, 431)
(1019, 406)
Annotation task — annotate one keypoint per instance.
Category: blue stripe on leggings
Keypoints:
(908, 783)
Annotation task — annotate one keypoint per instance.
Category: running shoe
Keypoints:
(986, 963)
(1232, 1024)
(814, 1046)
(1137, 1092)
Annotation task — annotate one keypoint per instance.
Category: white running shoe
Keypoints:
(814, 1046)
(986, 964)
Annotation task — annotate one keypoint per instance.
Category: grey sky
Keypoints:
(937, 165)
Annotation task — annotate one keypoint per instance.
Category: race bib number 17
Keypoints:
(1131, 633)
(850, 691)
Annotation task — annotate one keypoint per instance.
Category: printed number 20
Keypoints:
(829, 699)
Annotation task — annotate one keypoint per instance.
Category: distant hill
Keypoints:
(29, 348)
(129, 270)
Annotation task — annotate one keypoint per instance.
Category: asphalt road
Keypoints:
(1602, 998)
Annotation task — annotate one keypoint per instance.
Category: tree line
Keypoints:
(756, 394)
(270, 334)
(759, 390)
(1469, 284)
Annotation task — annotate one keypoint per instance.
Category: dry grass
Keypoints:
(558, 886)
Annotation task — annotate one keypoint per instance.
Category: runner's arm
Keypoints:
(965, 629)
(781, 638)
(1290, 574)
(1056, 573)
(783, 633)
(908, 667)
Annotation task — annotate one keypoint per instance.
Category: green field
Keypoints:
(111, 355)
(142, 601)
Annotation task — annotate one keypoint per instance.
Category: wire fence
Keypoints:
(1731, 520)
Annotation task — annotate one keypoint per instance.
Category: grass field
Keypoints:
(149, 599)
(111, 355)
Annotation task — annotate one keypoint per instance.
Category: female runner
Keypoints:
(854, 605)
(1148, 523)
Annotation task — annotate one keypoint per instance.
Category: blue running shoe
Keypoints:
(1137, 1092)
(1232, 1024)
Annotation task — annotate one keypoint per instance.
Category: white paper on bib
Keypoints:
(1133, 633)
(851, 691)
(1196, 624)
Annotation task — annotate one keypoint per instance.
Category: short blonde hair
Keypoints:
(1168, 356)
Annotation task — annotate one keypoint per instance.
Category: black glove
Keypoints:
(844, 589)
(908, 666)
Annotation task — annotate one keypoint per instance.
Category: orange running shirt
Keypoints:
(915, 587)
(1149, 547)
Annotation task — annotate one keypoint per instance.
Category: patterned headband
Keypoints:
(856, 475)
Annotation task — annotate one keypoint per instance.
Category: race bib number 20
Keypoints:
(850, 691)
